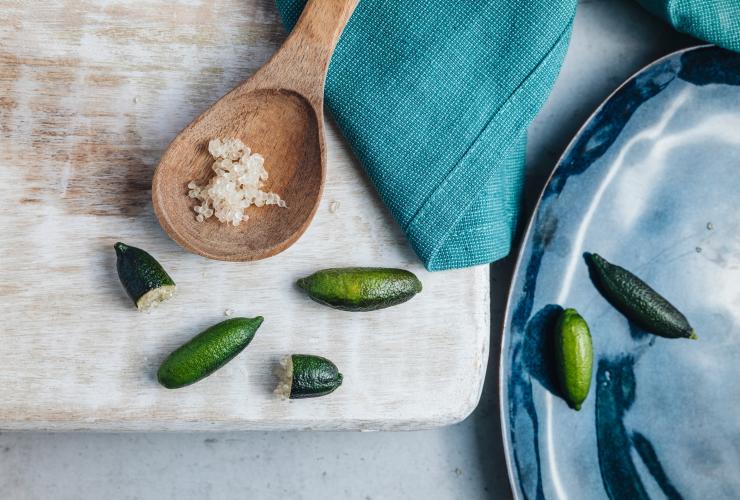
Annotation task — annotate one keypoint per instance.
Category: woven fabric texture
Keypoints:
(716, 21)
(434, 98)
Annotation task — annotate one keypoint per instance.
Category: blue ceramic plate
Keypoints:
(652, 182)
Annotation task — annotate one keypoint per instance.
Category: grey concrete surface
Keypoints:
(612, 39)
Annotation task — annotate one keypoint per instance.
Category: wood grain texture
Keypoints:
(91, 93)
(278, 112)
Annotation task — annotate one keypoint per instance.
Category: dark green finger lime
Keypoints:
(638, 301)
(307, 376)
(207, 352)
(145, 280)
(361, 288)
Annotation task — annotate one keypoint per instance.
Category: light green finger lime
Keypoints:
(574, 353)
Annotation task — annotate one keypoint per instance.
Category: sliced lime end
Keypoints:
(284, 372)
(155, 297)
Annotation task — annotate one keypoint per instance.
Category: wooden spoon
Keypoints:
(278, 113)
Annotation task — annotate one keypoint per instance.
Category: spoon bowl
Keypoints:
(277, 113)
(293, 160)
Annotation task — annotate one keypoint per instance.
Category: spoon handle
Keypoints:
(303, 60)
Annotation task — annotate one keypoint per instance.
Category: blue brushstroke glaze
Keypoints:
(650, 458)
(615, 393)
(607, 124)
(709, 65)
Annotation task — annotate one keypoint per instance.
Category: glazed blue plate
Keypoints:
(652, 183)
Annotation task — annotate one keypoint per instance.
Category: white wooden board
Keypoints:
(91, 92)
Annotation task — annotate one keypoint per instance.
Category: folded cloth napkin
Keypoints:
(716, 21)
(434, 97)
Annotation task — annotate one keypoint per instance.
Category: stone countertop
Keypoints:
(612, 39)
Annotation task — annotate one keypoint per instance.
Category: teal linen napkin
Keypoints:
(716, 21)
(434, 97)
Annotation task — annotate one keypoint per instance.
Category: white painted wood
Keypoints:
(91, 92)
